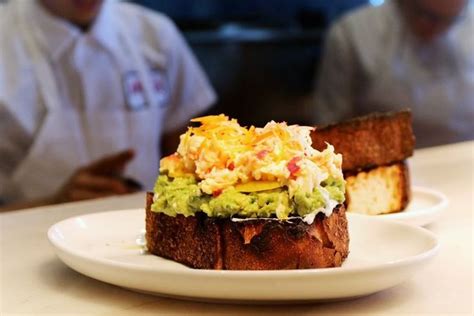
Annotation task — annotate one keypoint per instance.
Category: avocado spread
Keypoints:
(181, 195)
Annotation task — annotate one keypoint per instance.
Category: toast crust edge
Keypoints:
(219, 243)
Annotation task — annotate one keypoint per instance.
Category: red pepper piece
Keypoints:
(292, 166)
(262, 153)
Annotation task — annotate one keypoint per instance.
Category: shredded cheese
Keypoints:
(221, 154)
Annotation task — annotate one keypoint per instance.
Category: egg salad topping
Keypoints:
(243, 167)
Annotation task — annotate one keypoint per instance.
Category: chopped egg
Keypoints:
(221, 154)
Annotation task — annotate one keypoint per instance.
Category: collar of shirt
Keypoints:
(58, 34)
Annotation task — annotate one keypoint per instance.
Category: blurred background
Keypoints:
(261, 59)
(307, 62)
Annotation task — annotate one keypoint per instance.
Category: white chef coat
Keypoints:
(127, 79)
(373, 63)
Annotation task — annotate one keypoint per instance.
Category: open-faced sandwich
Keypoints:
(242, 198)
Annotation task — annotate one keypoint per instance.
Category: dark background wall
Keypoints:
(260, 55)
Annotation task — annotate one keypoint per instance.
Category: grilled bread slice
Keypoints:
(377, 139)
(374, 148)
(262, 244)
(379, 190)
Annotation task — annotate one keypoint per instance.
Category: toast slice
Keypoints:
(262, 244)
(379, 190)
(377, 139)
(194, 241)
(373, 148)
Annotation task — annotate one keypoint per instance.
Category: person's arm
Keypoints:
(98, 179)
(14, 143)
(335, 85)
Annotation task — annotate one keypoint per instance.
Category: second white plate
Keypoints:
(424, 208)
(103, 246)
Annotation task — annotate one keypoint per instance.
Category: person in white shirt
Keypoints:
(416, 54)
(87, 87)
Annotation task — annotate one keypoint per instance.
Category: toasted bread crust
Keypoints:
(373, 140)
(264, 244)
(194, 240)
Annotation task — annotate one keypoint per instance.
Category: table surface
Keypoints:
(35, 281)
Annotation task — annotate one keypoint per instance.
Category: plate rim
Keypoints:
(413, 217)
(188, 271)
(441, 205)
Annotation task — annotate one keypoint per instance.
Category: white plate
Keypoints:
(103, 246)
(424, 208)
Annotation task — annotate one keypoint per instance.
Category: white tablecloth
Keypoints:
(34, 281)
